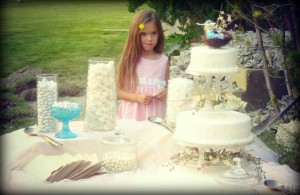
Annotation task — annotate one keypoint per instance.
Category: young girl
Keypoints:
(143, 70)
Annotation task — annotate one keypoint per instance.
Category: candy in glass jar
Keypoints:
(119, 153)
(101, 96)
(46, 96)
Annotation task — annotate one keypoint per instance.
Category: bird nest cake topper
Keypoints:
(215, 34)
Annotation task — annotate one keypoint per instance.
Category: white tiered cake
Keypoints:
(212, 61)
(209, 127)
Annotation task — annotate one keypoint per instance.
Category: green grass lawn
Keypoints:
(60, 36)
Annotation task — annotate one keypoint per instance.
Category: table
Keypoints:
(155, 147)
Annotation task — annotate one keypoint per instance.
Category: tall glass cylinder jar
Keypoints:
(46, 95)
(101, 97)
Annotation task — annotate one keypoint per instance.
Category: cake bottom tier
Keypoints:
(213, 128)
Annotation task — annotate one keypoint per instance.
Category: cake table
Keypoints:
(155, 146)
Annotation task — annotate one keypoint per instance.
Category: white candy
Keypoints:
(66, 105)
(101, 98)
(118, 161)
(46, 96)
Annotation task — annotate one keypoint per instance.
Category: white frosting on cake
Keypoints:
(212, 61)
(213, 128)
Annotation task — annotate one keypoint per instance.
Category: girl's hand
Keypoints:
(144, 99)
(161, 94)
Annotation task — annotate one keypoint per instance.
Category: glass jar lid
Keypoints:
(119, 139)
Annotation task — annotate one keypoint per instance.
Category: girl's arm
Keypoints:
(134, 97)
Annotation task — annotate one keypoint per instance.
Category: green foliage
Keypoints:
(187, 13)
(21, 110)
(134, 4)
(6, 89)
(276, 38)
(290, 158)
(25, 79)
(257, 14)
(17, 123)
(16, 113)
(276, 72)
(237, 37)
(235, 10)
(293, 59)
(174, 44)
(273, 98)
(248, 42)
(269, 139)
(14, 98)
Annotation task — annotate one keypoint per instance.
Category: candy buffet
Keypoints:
(103, 154)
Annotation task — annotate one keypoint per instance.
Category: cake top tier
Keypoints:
(206, 60)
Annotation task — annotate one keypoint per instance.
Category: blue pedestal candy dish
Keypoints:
(64, 112)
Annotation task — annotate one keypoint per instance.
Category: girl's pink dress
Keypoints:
(151, 75)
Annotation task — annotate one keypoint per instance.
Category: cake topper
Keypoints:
(215, 34)
(208, 24)
(212, 34)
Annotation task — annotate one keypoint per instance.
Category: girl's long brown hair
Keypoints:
(126, 74)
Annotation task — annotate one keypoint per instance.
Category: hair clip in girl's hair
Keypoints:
(141, 26)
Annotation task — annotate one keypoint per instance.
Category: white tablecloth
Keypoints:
(155, 147)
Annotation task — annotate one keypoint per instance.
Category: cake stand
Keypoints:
(208, 85)
(236, 174)
(203, 146)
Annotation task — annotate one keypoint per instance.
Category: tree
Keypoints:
(264, 60)
(186, 12)
(264, 16)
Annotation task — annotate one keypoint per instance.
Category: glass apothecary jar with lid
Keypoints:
(47, 94)
(101, 95)
(120, 153)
